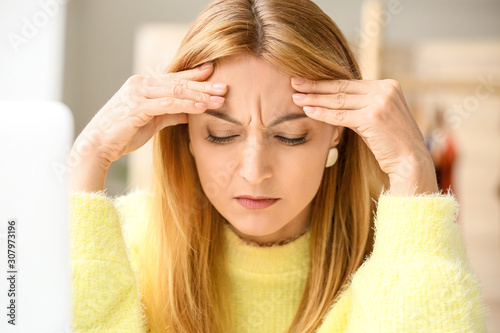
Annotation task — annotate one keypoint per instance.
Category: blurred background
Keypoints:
(445, 54)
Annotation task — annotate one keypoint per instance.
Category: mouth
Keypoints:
(250, 202)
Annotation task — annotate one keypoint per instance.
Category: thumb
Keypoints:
(166, 120)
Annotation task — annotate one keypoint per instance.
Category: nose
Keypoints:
(255, 166)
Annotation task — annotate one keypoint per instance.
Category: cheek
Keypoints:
(302, 173)
(215, 169)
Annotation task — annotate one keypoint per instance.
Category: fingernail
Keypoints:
(206, 66)
(220, 86)
(309, 109)
(200, 105)
(298, 80)
(299, 97)
(217, 99)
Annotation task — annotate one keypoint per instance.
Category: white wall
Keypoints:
(32, 49)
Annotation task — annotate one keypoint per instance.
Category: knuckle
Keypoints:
(134, 79)
(341, 85)
(201, 97)
(389, 86)
(169, 76)
(182, 83)
(206, 86)
(340, 100)
(131, 95)
(176, 90)
(340, 116)
(394, 83)
(165, 102)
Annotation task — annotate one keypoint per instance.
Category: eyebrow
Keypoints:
(276, 122)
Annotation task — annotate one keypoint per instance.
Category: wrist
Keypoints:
(86, 152)
(87, 178)
(87, 172)
(414, 176)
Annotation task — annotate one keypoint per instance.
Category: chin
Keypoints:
(255, 226)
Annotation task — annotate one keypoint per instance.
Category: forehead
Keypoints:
(248, 64)
(254, 86)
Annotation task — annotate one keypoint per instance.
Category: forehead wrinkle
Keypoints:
(224, 116)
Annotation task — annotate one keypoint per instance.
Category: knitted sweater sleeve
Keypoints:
(417, 279)
(105, 293)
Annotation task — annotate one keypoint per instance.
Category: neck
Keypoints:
(271, 243)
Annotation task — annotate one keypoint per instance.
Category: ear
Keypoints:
(337, 134)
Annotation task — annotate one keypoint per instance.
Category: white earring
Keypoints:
(191, 148)
(333, 154)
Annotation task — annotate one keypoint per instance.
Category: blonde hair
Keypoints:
(183, 246)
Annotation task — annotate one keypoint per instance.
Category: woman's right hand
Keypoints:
(141, 107)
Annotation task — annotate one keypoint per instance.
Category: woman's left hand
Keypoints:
(377, 111)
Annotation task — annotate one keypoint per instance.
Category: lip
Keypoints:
(254, 198)
(260, 202)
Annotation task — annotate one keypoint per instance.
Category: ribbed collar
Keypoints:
(287, 258)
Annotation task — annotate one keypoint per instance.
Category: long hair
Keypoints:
(180, 260)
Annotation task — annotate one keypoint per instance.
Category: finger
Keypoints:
(359, 87)
(344, 118)
(199, 73)
(332, 101)
(180, 92)
(170, 120)
(176, 88)
(171, 105)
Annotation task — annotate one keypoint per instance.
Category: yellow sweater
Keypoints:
(417, 279)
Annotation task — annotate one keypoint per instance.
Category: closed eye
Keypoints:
(227, 139)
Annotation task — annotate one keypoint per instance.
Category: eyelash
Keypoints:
(226, 139)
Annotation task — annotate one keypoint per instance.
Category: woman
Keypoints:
(270, 161)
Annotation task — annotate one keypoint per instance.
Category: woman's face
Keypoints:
(272, 150)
